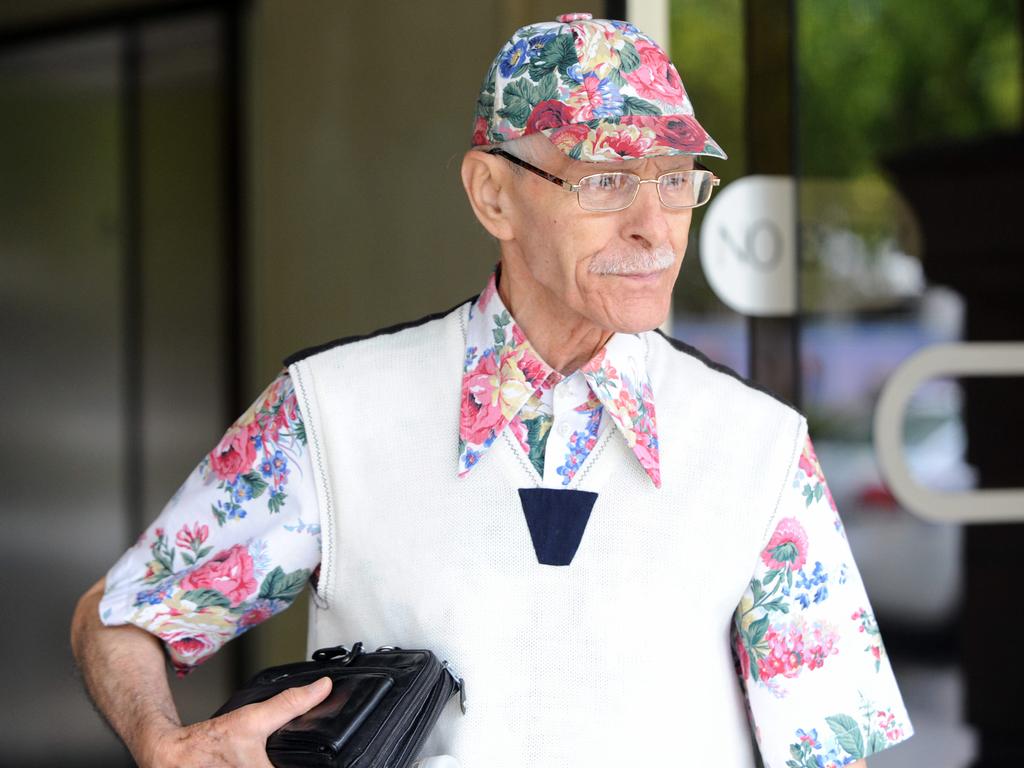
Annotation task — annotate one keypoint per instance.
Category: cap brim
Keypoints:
(633, 137)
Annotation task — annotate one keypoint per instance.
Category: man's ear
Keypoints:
(485, 178)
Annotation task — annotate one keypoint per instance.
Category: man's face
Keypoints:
(615, 269)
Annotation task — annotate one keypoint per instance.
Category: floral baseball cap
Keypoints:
(599, 90)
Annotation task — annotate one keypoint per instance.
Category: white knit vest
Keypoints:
(621, 658)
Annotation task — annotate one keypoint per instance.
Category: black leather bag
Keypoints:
(378, 714)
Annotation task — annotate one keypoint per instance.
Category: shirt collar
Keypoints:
(501, 371)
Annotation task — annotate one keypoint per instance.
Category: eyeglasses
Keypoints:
(616, 190)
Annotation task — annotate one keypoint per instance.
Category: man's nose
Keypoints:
(647, 221)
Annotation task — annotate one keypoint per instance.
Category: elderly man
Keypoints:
(618, 585)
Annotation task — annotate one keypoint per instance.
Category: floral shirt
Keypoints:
(241, 538)
(505, 385)
(818, 683)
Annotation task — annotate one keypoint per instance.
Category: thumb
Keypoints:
(289, 704)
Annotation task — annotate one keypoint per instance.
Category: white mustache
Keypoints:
(627, 261)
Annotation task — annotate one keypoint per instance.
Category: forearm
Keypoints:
(124, 672)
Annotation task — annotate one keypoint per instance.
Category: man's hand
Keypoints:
(236, 739)
(124, 670)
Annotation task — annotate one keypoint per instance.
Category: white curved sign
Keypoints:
(748, 245)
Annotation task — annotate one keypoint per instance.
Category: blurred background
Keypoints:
(189, 191)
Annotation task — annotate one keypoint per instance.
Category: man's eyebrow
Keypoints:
(670, 163)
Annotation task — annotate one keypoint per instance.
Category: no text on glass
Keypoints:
(616, 190)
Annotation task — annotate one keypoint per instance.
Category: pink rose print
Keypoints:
(785, 652)
(488, 293)
(189, 648)
(744, 658)
(787, 547)
(548, 114)
(821, 645)
(481, 413)
(789, 649)
(255, 616)
(593, 365)
(568, 136)
(285, 416)
(623, 141)
(229, 572)
(655, 78)
(811, 467)
(479, 132)
(235, 453)
(191, 538)
(682, 132)
(625, 401)
(887, 724)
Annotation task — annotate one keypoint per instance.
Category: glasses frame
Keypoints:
(568, 186)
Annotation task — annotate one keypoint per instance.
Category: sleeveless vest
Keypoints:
(622, 657)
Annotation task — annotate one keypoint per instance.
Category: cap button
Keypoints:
(565, 18)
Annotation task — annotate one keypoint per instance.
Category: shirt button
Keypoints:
(563, 429)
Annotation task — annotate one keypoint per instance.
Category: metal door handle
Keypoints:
(944, 360)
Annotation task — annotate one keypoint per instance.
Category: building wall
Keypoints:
(360, 115)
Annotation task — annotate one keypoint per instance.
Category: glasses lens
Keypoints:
(685, 189)
(607, 191)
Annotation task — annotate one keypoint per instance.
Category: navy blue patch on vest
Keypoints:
(557, 520)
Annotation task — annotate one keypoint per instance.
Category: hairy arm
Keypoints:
(124, 671)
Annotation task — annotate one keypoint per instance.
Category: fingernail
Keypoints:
(320, 684)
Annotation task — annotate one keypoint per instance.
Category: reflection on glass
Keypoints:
(878, 80)
(707, 48)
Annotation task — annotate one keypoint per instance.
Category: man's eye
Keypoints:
(676, 180)
(609, 181)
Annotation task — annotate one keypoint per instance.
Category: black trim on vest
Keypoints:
(302, 354)
(682, 346)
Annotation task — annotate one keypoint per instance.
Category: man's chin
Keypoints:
(638, 324)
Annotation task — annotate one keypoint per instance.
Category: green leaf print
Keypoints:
(206, 597)
(876, 743)
(299, 430)
(284, 586)
(535, 434)
(629, 59)
(755, 587)
(276, 502)
(545, 89)
(558, 52)
(485, 103)
(255, 482)
(616, 77)
(521, 96)
(757, 630)
(808, 494)
(634, 106)
(848, 734)
(516, 97)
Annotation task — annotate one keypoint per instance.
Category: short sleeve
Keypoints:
(818, 683)
(236, 544)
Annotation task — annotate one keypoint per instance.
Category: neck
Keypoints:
(561, 337)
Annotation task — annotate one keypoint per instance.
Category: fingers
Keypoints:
(271, 714)
(217, 743)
